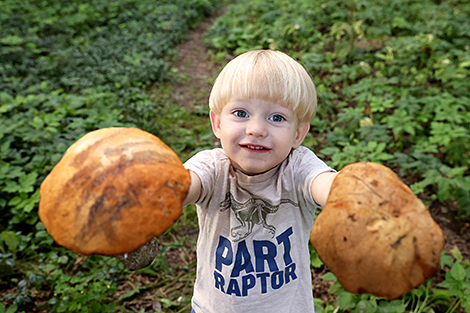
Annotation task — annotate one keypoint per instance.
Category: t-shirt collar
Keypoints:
(252, 179)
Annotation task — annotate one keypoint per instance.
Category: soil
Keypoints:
(195, 67)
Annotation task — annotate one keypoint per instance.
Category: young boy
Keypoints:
(256, 196)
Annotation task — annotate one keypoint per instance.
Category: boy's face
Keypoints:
(256, 134)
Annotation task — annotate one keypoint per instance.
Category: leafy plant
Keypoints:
(75, 45)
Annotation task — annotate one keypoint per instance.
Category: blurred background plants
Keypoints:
(393, 88)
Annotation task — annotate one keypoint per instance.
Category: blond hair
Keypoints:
(266, 75)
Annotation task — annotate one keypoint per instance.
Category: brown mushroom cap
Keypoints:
(375, 235)
(112, 191)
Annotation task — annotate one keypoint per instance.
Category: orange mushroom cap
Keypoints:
(112, 191)
(375, 235)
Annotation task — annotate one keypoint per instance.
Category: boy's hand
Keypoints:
(375, 235)
(114, 190)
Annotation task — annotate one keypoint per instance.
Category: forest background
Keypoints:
(393, 87)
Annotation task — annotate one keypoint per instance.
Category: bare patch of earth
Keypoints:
(195, 67)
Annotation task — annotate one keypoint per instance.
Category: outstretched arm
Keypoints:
(194, 189)
(321, 187)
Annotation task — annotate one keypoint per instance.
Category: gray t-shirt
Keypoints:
(252, 248)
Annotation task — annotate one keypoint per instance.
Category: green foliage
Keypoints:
(83, 293)
(392, 80)
(185, 131)
(68, 68)
(74, 45)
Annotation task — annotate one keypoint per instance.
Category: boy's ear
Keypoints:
(215, 122)
(302, 131)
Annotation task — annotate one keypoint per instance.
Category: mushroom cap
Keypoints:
(375, 235)
(113, 190)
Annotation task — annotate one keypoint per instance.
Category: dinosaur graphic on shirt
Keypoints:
(251, 212)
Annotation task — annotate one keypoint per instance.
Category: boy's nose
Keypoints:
(256, 128)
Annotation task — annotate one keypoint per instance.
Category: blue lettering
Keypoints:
(265, 252)
(233, 288)
(242, 260)
(219, 281)
(277, 280)
(284, 239)
(263, 277)
(261, 256)
(290, 273)
(248, 282)
(224, 247)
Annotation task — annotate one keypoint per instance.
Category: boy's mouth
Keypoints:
(254, 147)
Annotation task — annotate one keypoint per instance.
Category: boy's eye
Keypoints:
(240, 113)
(277, 118)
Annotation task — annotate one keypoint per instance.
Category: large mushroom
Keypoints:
(375, 235)
(113, 190)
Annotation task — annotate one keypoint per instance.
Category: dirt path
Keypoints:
(195, 66)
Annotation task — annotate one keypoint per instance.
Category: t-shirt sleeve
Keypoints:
(307, 167)
(204, 165)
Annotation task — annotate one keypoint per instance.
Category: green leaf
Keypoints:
(168, 303)
(395, 306)
(5, 98)
(130, 293)
(366, 306)
(445, 259)
(12, 40)
(457, 254)
(12, 187)
(30, 203)
(63, 259)
(345, 300)
(458, 272)
(11, 240)
(11, 262)
(466, 304)
(315, 260)
(27, 181)
(465, 64)
(48, 268)
(5, 107)
(12, 309)
(329, 277)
